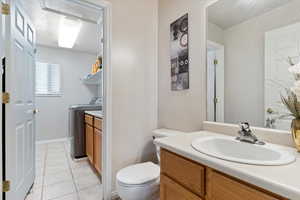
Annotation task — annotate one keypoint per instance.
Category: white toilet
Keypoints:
(141, 181)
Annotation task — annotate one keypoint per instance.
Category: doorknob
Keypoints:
(34, 111)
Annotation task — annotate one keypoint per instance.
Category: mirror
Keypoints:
(252, 46)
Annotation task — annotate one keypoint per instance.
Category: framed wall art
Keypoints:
(179, 36)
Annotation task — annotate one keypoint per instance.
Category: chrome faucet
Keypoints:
(246, 134)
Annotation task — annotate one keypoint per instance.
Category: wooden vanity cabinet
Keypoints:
(97, 149)
(189, 174)
(89, 142)
(170, 190)
(93, 135)
(183, 179)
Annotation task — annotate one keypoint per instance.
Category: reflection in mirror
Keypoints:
(251, 47)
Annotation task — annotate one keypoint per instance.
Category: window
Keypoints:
(47, 79)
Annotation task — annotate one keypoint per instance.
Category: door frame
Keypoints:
(107, 93)
(107, 101)
(220, 55)
(2, 46)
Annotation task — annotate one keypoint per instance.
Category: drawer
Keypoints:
(89, 119)
(170, 190)
(98, 123)
(223, 187)
(187, 173)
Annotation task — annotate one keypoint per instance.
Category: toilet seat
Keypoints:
(138, 175)
(139, 182)
(139, 185)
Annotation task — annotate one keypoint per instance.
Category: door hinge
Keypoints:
(5, 8)
(5, 97)
(6, 186)
(216, 100)
(215, 61)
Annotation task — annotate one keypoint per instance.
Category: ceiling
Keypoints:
(47, 25)
(227, 13)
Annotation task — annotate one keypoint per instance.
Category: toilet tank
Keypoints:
(161, 133)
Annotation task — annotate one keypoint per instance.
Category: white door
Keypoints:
(215, 82)
(279, 45)
(211, 56)
(20, 111)
(1, 70)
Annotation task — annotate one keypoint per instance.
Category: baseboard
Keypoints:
(115, 196)
(80, 159)
(53, 141)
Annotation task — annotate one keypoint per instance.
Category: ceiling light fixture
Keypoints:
(68, 32)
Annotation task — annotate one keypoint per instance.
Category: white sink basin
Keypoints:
(230, 149)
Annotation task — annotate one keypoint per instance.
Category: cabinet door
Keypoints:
(170, 190)
(187, 173)
(222, 187)
(98, 123)
(89, 137)
(97, 150)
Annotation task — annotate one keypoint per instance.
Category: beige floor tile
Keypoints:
(59, 155)
(53, 163)
(35, 194)
(56, 169)
(54, 178)
(56, 152)
(79, 164)
(58, 190)
(58, 176)
(83, 171)
(55, 145)
(68, 197)
(92, 193)
(57, 161)
(86, 181)
(56, 156)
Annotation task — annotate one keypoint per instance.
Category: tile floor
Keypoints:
(58, 177)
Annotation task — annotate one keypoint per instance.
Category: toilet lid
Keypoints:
(139, 173)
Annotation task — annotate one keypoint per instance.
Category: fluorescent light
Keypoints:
(68, 32)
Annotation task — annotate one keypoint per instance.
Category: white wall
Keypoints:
(183, 110)
(215, 33)
(244, 62)
(52, 120)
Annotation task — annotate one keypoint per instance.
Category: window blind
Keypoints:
(48, 79)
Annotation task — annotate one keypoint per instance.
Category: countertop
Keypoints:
(282, 180)
(95, 113)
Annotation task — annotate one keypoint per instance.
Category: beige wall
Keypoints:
(183, 110)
